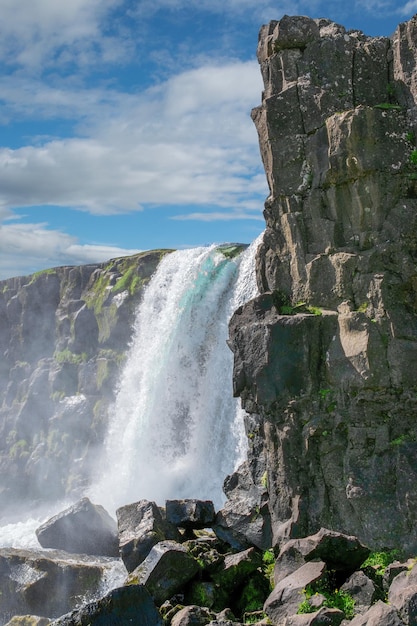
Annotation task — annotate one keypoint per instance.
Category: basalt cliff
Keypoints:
(326, 356)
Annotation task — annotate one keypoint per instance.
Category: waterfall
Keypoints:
(175, 430)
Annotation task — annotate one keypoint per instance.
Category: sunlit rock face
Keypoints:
(326, 364)
(63, 337)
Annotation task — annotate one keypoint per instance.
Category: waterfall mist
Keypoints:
(175, 430)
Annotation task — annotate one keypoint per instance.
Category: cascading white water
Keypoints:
(175, 430)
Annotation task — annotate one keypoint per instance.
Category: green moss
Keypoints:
(388, 106)
(37, 275)
(380, 560)
(335, 598)
(19, 449)
(102, 372)
(231, 251)
(66, 356)
(362, 308)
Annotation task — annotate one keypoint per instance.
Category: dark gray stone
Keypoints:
(380, 614)
(141, 526)
(166, 569)
(338, 551)
(190, 513)
(84, 528)
(287, 595)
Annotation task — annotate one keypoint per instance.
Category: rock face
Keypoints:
(326, 357)
(63, 335)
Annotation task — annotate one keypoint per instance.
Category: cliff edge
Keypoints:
(326, 356)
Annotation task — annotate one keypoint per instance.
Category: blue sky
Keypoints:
(125, 124)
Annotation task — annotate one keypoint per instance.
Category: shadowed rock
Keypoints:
(190, 513)
(165, 570)
(84, 528)
(141, 526)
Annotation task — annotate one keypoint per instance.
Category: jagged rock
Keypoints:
(286, 596)
(402, 595)
(380, 614)
(244, 520)
(190, 513)
(193, 616)
(122, 606)
(47, 584)
(323, 617)
(83, 528)
(362, 589)
(332, 387)
(236, 569)
(165, 570)
(338, 551)
(391, 571)
(141, 526)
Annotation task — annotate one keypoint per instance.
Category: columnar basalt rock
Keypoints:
(325, 358)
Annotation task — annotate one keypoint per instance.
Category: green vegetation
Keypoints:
(231, 251)
(36, 275)
(362, 308)
(284, 306)
(253, 617)
(404, 438)
(66, 356)
(19, 449)
(268, 565)
(380, 560)
(413, 157)
(264, 480)
(334, 598)
(388, 106)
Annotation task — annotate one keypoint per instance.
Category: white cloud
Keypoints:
(187, 141)
(216, 216)
(44, 32)
(409, 7)
(26, 248)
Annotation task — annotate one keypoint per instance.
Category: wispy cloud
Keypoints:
(26, 247)
(187, 141)
(216, 216)
(408, 8)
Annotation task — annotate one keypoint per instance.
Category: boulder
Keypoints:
(362, 589)
(287, 595)
(338, 551)
(244, 520)
(166, 569)
(46, 584)
(193, 616)
(84, 528)
(323, 617)
(402, 596)
(190, 513)
(379, 614)
(237, 569)
(123, 606)
(141, 526)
